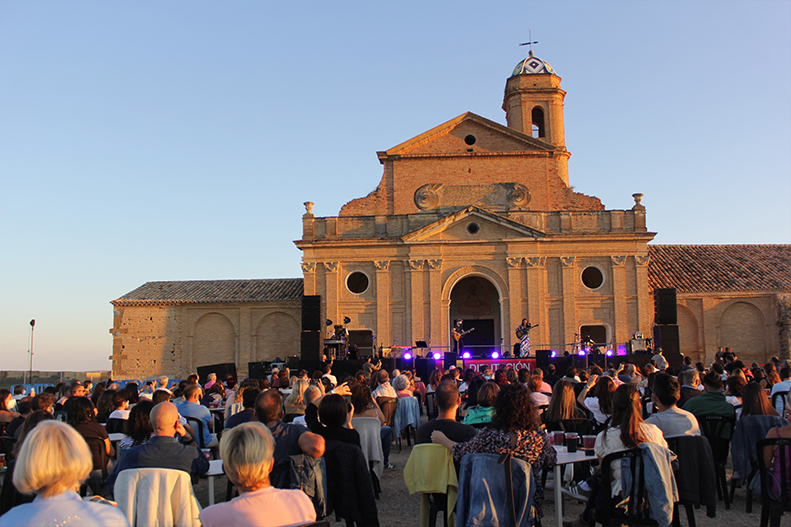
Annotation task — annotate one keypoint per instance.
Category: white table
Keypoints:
(114, 440)
(564, 458)
(215, 469)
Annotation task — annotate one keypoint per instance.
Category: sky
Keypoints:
(145, 141)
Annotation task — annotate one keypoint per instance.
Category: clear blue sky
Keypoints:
(148, 141)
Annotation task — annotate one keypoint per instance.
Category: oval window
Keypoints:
(592, 277)
(357, 282)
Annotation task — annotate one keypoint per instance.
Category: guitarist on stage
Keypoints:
(458, 333)
(523, 334)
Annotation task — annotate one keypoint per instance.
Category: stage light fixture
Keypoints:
(495, 355)
(609, 353)
(553, 355)
(466, 355)
(408, 356)
(437, 355)
(581, 353)
(621, 350)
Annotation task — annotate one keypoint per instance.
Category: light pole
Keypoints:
(30, 374)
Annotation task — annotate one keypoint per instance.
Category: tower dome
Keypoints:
(532, 65)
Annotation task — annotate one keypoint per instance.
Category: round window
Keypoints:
(592, 277)
(357, 282)
(472, 228)
(470, 140)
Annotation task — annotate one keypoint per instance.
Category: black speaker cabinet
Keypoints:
(310, 346)
(449, 360)
(666, 337)
(257, 370)
(542, 359)
(311, 313)
(222, 370)
(665, 307)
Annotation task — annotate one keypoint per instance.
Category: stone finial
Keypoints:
(308, 209)
(637, 202)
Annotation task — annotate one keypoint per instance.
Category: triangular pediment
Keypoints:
(472, 224)
(455, 136)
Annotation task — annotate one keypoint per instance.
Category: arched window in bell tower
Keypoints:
(539, 130)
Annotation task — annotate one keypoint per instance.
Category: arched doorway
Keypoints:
(476, 302)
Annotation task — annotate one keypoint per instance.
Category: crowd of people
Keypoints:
(61, 437)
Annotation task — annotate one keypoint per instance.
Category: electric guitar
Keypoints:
(458, 335)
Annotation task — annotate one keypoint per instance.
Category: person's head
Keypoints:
(81, 410)
(268, 406)
(785, 373)
(472, 389)
(361, 397)
(25, 405)
(500, 378)
(736, 384)
(603, 390)
(334, 411)
(246, 451)
(712, 382)
(446, 396)
(192, 393)
(400, 383)
(511, 375)
(524, 376)
(164, 419)
(43, 401)
(138, 426)
(163, 381)
(132, 390)
(121, 400)
(19, 389)
(160, 396)
(77, 390)
(562, 405)
(690, 377)
(626, 415)
(312, 393)
(192, 378)
(514, 410)
(249, 396)
(488, 394)
(629, 369)
(6, 400)
(54, 458)
(595, 370)
(667, 390)
(535, 383)
(212, 377)
(755, 401)
(382, 377)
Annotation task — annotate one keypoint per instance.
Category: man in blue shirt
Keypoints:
(191, 407)
(163, 449)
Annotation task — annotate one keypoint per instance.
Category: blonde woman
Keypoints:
(294, 404)
(246, 451)
(53, 461)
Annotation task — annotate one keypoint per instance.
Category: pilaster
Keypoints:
(435, 293)
(644, 303)
(514, 315)
(382, 331)
(331, 281)
(415, 304)
(536, 291)
(621, 330)
(569, 298)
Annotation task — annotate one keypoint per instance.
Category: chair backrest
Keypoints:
(60, 415)
(775, 480)
(407, 413)
(718, 429)
(156, 496)
(388, 407)
(369, 429)
(779, 402)
(637, 509)
(115, 426)
(431, 406)
(694, 458)
(350, 488)
(8, 443)
(197, 425)
(98, 450)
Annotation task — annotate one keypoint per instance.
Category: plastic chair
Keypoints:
(407, 419)
(388, 407)
(772, 507)
(197, 425)
(782, 397)
(115, 426)
(157, 496)
(430, 471)
(694, 454)
(637, 504)
(95, 482)
(432, 410)
(718, 429)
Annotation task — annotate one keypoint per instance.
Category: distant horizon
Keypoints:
(177, 141)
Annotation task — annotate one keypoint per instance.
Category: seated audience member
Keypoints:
(755, 401)
(25, 407)
(312, 393)
(121, 403)
(163, 384)
(783, 386)
(163, 450)
(712, 402)
(447, 400)
(335, 416)
(483, 412)
(10, 496)
(214, 395)
(550, 375)
(97, 392)
(7, 405)
(210, 382)
(562, 407)
(290, 439)
(671, 420)
(401, 386)
(294, 404)
(44, 401)
(327, 372)
(191, 407)
(772, 456)
(516, 423)
(546, 388)
(133, 391)
(247, 455)
(690, 385)
(523, 377)
(600, 405)
(629, 375)
(105, 406)
(384, 389)
(138, 427)
(534, 384)
(365, 406)
(472, 394)
(53, 460)
(248, 414)
(82, 416)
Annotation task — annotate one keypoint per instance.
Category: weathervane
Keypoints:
(530, 42)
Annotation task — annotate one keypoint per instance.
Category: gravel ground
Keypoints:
(397, 508)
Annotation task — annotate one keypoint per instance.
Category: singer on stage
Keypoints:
(523, 334)
(458, 333)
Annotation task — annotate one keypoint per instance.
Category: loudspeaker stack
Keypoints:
(310, 343)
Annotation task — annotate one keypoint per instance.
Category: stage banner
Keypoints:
(494, 365)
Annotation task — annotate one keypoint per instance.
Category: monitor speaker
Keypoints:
(666, 337)
(311, 313)
(257, 370)
(542, 359)
(310, 346)
(665, 308)
(449, 360)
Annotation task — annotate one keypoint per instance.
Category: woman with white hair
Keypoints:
(246, 451)
(401, 386)
(53, 461)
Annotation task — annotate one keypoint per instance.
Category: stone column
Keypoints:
(246, 339)
(569, 299)
(711, 329)
(309, 278)
(434, 335)
(644, 304)
(514, 315)
(415, 330)
(331, 281)
(383, 335)
(621, 330)
(536, 300)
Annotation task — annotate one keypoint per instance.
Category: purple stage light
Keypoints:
(609, 353)
(553, 355)
(466, 355)
(436, 355)
(408, 356)
(495, 355)
(621, 350)
(581, 353)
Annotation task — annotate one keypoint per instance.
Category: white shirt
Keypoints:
(780, 387)
(120, 414)
(64, 509)
(592, 404)
(675, 422)
(332, 379)
(385, 390)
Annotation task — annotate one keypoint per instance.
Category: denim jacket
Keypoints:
(660, 483)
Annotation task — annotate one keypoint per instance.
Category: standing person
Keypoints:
(660, 360)
(458, 334)
(523, 334)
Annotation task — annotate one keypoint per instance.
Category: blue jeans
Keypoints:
(387, 438)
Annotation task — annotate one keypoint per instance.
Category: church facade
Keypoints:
(471, 220)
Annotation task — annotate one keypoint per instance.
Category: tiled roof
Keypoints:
(720, 268)
(214, 291)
